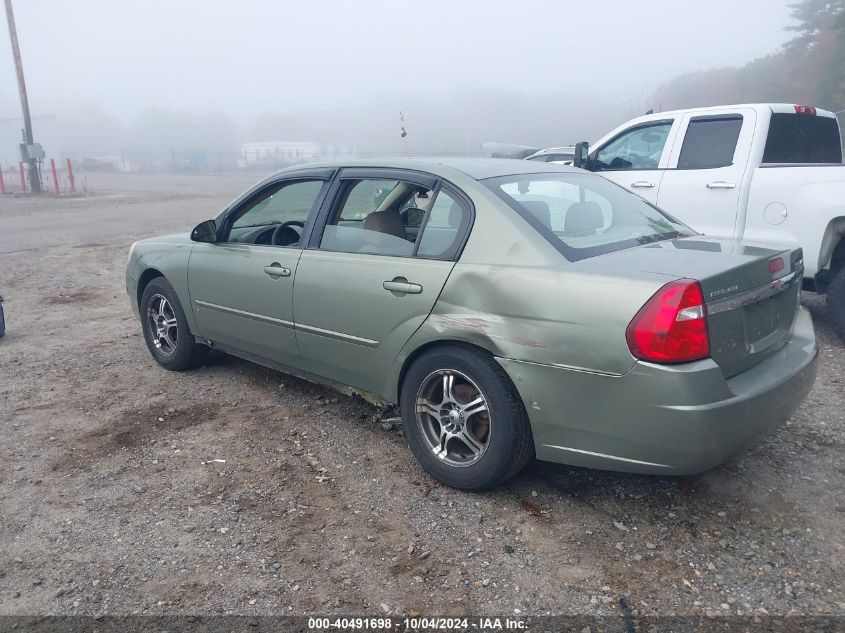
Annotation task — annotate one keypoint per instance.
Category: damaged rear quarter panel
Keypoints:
(514, 295)
(540, 315)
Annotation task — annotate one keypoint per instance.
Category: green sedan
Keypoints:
(511, 309)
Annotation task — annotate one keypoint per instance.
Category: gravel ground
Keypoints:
(127, 489)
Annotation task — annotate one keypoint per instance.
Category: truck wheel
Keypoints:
(464, 420)
(836, 301)
(166, 330)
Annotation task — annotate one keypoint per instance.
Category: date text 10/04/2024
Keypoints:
(481, 624)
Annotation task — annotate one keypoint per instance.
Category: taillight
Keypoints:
(802, 109)
(672, 326)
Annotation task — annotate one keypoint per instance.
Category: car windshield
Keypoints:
(584, 215)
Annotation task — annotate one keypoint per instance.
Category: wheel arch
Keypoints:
(832, 250)
(837, 259)
(144, 280)
(413, 355)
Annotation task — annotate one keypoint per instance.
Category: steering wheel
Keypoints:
(286, 233)
(636, 161)
(642, 162)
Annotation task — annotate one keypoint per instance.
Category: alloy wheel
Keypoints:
(454, 417)
(161, 322)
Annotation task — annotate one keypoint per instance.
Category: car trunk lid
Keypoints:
(752, 292)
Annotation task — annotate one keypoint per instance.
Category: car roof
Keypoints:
(476, 168)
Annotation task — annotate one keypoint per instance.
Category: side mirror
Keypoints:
(582, 155)
(205, 232)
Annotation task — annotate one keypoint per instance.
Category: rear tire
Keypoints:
(836, 301)
(464, 420)
(166, 329)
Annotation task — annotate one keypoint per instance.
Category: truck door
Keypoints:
(635, 156)
(704, 183)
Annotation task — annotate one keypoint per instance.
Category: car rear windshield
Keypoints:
(584, 215)
(802, 138)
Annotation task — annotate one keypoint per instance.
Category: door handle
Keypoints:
(642, 184)
(721, 184)
(403, 286)
(275, 270)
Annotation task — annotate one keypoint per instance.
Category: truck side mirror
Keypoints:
(582, 155)
(205, 232)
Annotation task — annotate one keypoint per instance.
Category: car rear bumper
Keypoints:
(667, 419)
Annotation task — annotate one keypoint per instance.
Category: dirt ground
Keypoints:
(127, 489)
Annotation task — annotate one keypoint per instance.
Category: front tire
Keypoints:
(836, 301)
(464, 420)
(166, 329)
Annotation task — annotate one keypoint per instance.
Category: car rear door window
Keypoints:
(445, 225)
(395, 217)
(378, 217)
(710, 142)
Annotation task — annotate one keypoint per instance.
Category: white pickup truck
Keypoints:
(760, 172)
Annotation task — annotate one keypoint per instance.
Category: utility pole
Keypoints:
(32, 162)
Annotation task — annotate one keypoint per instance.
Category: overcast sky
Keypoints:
(254, 56)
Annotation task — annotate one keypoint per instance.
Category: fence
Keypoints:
(56, 178)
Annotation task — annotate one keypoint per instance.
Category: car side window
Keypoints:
(277, 217)
(378, 217)
(639, 148)
(446, 224)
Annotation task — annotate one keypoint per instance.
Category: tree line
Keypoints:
(808, 69)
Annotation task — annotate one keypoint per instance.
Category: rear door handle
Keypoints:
(642, 184)
(402, 285)
(275, 270)
(721, 184)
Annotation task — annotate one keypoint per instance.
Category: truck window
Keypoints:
(802, 138)
(710, 142)
(637, 148)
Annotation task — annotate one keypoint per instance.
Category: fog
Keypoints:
(159, 75)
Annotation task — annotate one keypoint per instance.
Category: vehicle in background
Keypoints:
(90, 164)
(557, 155)
(495, 149)
(770, 173)
(511, 309)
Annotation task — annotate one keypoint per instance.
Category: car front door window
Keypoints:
(277, 216)
(640, 148)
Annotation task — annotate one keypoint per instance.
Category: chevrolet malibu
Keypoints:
(511, 309)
